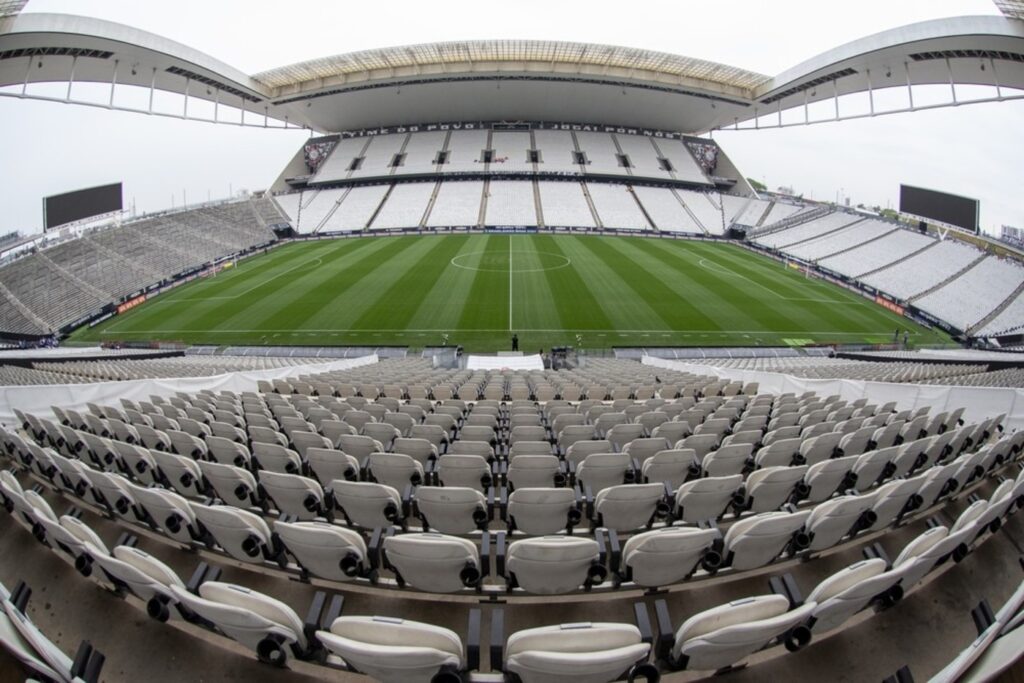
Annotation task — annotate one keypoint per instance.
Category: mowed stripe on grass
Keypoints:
(410, 290)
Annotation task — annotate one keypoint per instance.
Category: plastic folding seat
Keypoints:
(756, 541)
(469, 471)
(71, 536)
(731, 459)
(641, 449)
(15, 502)
(915, 428)
(394, 650)
(521, 448)
(437, 436)
(923, 553)
(382, 433)
(998, 505)
(144, 575)
(183, 443)
(892, 500)
(304, 441)
(702, 444)
(825, 478)
(772, 436)
(333, 429)
(328, 465)
(301, 497)
(233, 485)
(783, 452)
(357, 419)
(725, 635)
(324, 550)
(622, 434)
(600, 470)
(857, 442)
(669, 555)
(181, 472)
(850, 590)
(444, 421)
(632, 506)
(98, 451)
(886, 436)
(819, 448)
(420, 450)
(870, 467)
(228, 452)
(579, 451)
(540, 511)
(715, 425)
(605, 421)
(551, 565)
(672, 431)
(576, 653)
(562, 420)
(367, 504)
(651, 420)
(261, 623)
(479, 448)
(433, 562)
(266, 435)
(395, 470)
(670, 467)
(242, 534)
(535, 471)
(451, 510)
(277, 458)
(113, 492)
(403, 422)
(832, 520)
(194, 427)
(572, 434)
(706, 499)
(358, 446)
(769, 488)
(525, 433)
(751, 437)
(229, 431)
(790, 419)
(169, 512)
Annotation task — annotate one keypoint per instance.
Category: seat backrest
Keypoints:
(540, 511)
(706, 499)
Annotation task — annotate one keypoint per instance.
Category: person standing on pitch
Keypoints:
(515, 341)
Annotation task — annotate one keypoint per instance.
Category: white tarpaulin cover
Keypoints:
(534, 362)
(37, 399)
(978, 402)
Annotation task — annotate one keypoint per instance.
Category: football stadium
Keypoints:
(511, 374)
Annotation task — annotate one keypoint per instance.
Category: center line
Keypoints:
(510, 283)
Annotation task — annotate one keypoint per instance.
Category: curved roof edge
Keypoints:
(491, 55)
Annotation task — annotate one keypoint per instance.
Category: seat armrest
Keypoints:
(473, 640)
(498, 640)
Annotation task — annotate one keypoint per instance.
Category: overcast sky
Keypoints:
(970, 150)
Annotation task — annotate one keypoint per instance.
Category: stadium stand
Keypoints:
(877, 254)
(379, 156)
(806, 230)
(405, 207)
(704, 211)
(563, 204)
(665, 209)
(457, 203)
(356, 209)
(421, 153)
(852, 236)
(616, 206)
(465, 151)
(557, 149)
(602, 154)
(969, 297)
(510, 202)
(511, 152)
(924, 271)
(74, 279)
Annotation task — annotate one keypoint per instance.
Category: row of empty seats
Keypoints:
(398, 650)
(510, 152)
(563, 204)
(66, 282)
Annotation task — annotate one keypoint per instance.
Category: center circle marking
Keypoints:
(565, 261)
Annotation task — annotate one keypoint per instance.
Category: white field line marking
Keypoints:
(510, 283)
(706, 263)
(318, 261)
(566, 259)
(687, 332)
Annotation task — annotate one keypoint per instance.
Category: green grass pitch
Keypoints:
(479, 289)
